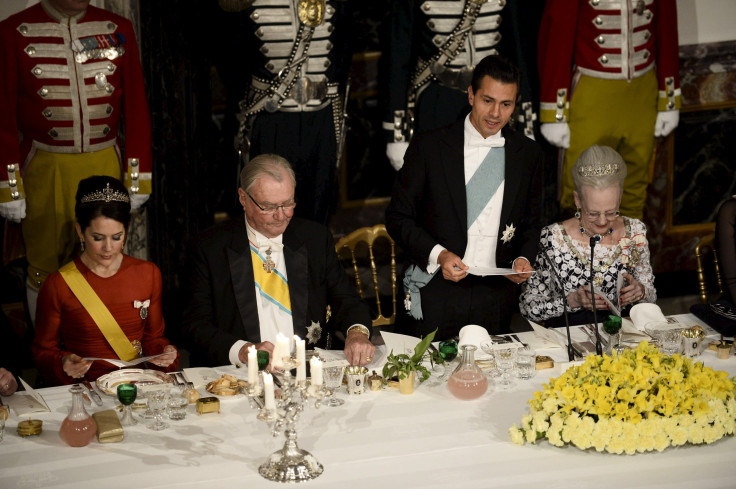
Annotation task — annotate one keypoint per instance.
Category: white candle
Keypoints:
(316, 367)
(283, 349)
(268, 391)
(252, 367)
(301, 357)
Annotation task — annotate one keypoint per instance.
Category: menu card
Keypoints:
(28, 402)
(122, 363)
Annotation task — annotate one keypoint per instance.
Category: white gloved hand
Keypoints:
(137, 200)
(557, 133)
(666, 123)
(13, 211)
(395, 153)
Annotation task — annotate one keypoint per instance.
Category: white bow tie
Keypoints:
(489, 142)
(268, 244)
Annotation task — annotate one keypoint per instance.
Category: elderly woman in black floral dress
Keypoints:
(621, 268)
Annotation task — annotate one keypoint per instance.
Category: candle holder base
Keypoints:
(291, 464)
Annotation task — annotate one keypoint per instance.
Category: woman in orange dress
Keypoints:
(129, 288)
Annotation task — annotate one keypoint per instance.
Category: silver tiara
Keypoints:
(106, 195)
(598, 170)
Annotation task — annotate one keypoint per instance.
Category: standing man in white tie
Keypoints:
(267, 273)
(469, 194)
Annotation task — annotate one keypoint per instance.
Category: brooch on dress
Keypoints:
(143, 308)
(314, 332)
(508, 233)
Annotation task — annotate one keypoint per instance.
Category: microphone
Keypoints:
(556, 277)
(598, 348)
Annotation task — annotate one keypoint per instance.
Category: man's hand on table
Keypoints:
(521, 264)
(452, 266)
(358, 348)
(263, 346)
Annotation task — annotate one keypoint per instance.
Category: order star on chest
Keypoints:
(508, 233)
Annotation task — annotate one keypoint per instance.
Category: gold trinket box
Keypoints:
(544, 362)
(30, 427)
(208, 405)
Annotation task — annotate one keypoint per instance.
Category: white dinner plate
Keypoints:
(108, 383)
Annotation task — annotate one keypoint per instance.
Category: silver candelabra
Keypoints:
(290, 463)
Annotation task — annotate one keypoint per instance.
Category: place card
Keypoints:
(28, 402)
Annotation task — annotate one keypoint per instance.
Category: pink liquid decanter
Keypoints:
(467, 381)
(78, 428)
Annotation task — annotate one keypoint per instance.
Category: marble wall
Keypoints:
(695, 167)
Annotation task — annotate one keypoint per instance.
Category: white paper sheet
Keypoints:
(28, 402)
(486, 271)
(122, 363)
(544, 338)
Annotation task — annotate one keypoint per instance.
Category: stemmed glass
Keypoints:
(487, 347)
(157, 397)
(505, 362)
(143, 388)
(332, 377)
(126, 395)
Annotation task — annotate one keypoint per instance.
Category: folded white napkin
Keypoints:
(643, 313)
(472, 334)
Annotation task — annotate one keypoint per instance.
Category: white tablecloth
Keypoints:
(379, 440)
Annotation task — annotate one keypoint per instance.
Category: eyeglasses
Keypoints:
(286, 207)
(610, 215)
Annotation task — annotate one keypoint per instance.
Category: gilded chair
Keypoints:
(365, 238)
(708, 271)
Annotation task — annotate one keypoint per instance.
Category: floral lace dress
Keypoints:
(540, 296)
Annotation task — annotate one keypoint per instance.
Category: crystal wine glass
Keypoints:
(126, 395)
(505, 362)
(157, 397)
(333, 380)
(487, 347)
(143, 388)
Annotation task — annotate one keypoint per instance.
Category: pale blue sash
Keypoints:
(485, 182)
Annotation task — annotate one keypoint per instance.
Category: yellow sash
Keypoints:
(272, 285)
(99, 312)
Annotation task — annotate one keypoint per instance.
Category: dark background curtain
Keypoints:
(176, 70)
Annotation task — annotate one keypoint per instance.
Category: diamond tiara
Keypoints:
(598, 170)
(106, 195)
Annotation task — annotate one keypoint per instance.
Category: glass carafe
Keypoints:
(78, 428)
(467, 381)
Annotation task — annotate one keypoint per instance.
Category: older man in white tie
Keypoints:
(469, 194)
(268, 273)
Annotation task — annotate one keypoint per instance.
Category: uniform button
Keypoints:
(600, 40)
(30, 50)
(108, 109)
(37, 71)
(134, 161)
(264, 49)
(327, 63)
(430, 24)
(53, 133)
(106, 131)
(111, 26)
(598, 21)
(255, 16)
(269, 66)
(11, 168)
(426, 7)
(109, 88)
(259, 33)
(670, 106)
(23, 29)
(47, 113)
(560, 93)
(604, 59)
(559, 117)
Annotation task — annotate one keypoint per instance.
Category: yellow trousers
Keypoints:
(619, 114)
(51, 181)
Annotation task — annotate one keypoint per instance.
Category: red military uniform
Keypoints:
(618, 43)
(66, 83)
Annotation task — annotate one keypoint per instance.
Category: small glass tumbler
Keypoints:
(333, 380)
(157, 400)
(672, 341)
(525, 363)
(177, 408)
(3, 416)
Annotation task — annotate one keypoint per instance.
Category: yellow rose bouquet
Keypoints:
(639, 401)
